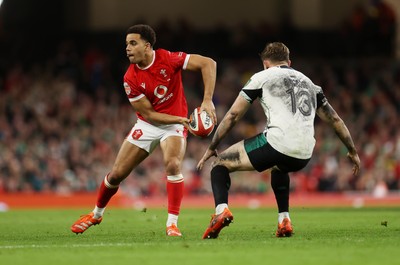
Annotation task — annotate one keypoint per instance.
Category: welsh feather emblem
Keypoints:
(137, 134)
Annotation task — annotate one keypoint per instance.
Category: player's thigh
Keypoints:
(129, 156)
(234, 158)
(173, 149)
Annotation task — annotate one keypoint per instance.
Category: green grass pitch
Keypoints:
(322, 236)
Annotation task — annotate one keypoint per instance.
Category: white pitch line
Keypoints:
(75, 245)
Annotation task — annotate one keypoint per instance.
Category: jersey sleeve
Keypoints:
(252, 89)
(321, 99)
(178, 60)
(133, 92)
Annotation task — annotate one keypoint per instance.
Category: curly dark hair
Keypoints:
(145, 31)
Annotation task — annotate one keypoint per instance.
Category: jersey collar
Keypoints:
(147, 67)
(284, 66)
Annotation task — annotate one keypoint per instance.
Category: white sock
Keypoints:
(98, 212)
(172, 219)
(220, 208)
(282, 216)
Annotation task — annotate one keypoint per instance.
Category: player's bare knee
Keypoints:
(218, 162)
(115, 177)
(173, 166)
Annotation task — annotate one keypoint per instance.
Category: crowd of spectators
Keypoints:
(62, 121)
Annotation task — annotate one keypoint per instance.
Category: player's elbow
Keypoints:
(335, 120)
(337, 124)
(233, 116)
(209, 64)
(212, 63)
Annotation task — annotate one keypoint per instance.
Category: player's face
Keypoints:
(136, 49)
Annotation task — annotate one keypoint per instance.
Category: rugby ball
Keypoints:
(200, 123)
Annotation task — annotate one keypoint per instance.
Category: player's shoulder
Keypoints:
(285, 71)
(131, 69)
(255, 81)
(163, 53)
(304, 78)
(263, 74)
(130, 72)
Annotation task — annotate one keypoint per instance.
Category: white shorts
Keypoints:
(148, 137)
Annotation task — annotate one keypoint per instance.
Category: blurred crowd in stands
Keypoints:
(63, 117)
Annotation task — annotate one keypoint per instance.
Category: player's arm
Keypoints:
(329, 115)
(144, 107)
(234, 114)
(208, 68)
(242, 103)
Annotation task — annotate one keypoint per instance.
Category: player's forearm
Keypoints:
(343, 133)
(162, 118)
(224, 127)
(209, 73)
(329, 115)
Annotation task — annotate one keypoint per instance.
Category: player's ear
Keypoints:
(266, 64)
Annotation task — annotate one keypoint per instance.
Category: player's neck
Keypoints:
(148, 60)
(269, 64)
(279, 64)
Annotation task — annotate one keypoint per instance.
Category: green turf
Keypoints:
(322, 236)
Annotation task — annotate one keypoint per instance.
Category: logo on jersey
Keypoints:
(160, 91)
(143, 85)
(137, 134)
(127, 88)
(163, 72)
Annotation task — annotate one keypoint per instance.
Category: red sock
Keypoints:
(105, 193)
(175, 195)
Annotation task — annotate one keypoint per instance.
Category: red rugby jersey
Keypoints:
(160, 83)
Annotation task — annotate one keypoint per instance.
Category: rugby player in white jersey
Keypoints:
(290, 101)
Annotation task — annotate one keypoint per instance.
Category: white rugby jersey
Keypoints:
(289, 99)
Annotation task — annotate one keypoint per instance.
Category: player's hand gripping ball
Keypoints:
(200, 123)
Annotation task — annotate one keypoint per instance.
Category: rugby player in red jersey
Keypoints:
(153, 84)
